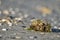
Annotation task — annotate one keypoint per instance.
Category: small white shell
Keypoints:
(4, 29)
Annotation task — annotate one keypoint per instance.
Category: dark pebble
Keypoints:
(35, 36)
(24, 26)
(11, 17)
(55, 30)
(13, 37)
(0, 36)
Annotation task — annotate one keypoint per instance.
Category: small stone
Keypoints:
(13, 12)
(24, 26)
(4, 29)
(10, 9)
(26, 15)
(52, 19)
(42, 33)
(58, 36)
(10, 24)
(0, 36)
(18, 18)
(6, 12)
(31, 37)
(59, 28)
(17, 37)
(0, 24)
(55, 22)
(0, 12)
(11, 17)
(32, 20)
(55, 27)
(13, 37)
(35, 36)
(16, 9)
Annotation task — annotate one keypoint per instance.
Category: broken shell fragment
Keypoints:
(6, 12)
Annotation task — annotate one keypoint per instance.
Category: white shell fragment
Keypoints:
(4, 29)
(42, 33)
(32, 20)
(18, 18)
(59, 28)
(6, 12)
(26, 15)
(31, 37)
(17, 37)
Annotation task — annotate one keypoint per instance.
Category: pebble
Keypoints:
(10, 24)
(35, 36)
(55, 22)
(0, 24)
(16, 9)
(12, 37)
(58, 36)
(24, 26)
(42, 33)
(6, 12)
(11, 17)
(26, 15)
(55, 27)
(0, 12)
(52, 19)
(4, 29)
(0, 36)
(10, 9)
(18, 18)
(59, 28)
(32, 20)
(17, 37)
(31, 37)
(13, 12)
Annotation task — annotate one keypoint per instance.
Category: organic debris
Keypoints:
(39, 25)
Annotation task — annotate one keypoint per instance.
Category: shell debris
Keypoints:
(4, 29)
(7, 21)
(6, 12)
